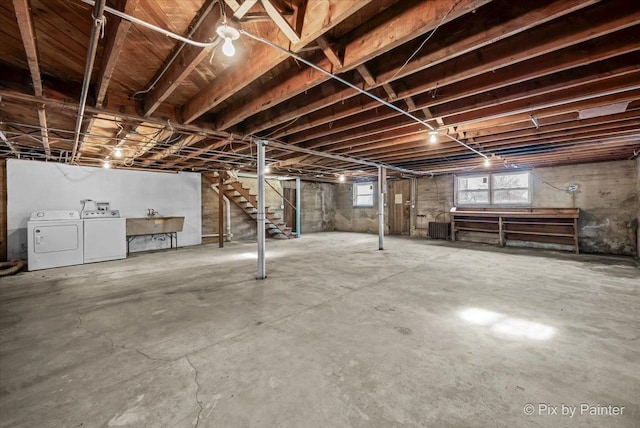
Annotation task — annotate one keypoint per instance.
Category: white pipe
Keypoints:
(262, 269)
(98, 25)
(227, 208)
(156, 28)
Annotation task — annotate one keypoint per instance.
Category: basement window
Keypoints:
(363, 194)
(493, 189)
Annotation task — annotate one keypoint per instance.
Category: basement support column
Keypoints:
(262, 268)
(298, 212)
(414, 207)
(220, 210)
(381, 187)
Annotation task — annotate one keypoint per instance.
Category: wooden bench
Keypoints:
(546, 225)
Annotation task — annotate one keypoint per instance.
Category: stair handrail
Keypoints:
(281, 195)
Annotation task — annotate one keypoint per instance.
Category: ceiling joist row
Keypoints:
(525, 85)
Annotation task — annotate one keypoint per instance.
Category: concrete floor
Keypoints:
(423, 334)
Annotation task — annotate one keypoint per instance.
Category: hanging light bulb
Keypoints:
(341, 178)
(433, 136)
(227, 48)
(117, 152)
(229, 34)
(487, 162)
(267, 169)
(106, 164)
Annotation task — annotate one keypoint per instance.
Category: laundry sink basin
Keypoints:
(154, 225)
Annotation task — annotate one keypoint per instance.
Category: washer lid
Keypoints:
(50, 215)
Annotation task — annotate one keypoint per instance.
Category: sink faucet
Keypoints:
(151, 212)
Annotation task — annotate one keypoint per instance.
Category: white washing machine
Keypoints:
(104, 236)
(55, 238)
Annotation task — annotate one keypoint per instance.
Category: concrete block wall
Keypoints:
(317, 206)
(434, 200)
(356, 219)
(607, 196)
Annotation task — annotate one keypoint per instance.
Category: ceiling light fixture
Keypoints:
(117, 152)
(433, 136)
(267, 169)
(106, 164)
(229, 34)
(487, 162)
(535, 121)
(341, 178)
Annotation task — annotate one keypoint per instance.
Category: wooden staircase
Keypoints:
(234, 191)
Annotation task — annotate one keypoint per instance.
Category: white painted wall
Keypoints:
(33, 186)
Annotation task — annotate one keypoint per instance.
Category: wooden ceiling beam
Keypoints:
(452, 152)
(15, 150)
(117, 106)
(116, 36)
(421, 148)
(442, 51)
(188, 59)
(280, 21)
(244, 8)
(386, 129)
(319, 19)
(184, 141)
(459, 163)
(183, 159)
(493, 76)
(410, 23)
(623, 87)
(331, 54)
(523, 135)
(261, 17)
(28, 34)
(491, 83)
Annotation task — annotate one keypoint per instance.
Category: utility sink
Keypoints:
(154, 225)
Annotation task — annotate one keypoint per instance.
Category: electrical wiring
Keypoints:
(360, 90)
(280, 128)
(424, 42)
(547, 183)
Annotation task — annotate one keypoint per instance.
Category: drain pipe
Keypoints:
(227, 209)
(262, 269)
(98, 27)
(414, 206)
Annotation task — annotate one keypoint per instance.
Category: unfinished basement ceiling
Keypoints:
(498, 79)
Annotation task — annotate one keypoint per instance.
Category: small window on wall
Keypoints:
(493, 189)
(473, 190)
(363, 194)
(510, 188)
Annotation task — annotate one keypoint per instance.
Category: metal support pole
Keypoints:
(220, 210)
(381, 184)
(262, 268)
(298, 211)
(414, 207)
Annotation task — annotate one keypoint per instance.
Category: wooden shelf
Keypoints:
(547, 225)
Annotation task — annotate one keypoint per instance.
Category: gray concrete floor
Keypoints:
(423, 334)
